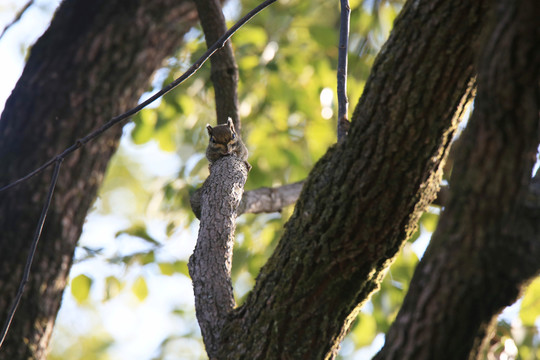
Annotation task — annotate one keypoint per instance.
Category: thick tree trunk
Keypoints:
(93, 62)
(364, 197)
(483, 250)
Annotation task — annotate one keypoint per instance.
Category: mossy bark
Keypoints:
(486, 246)
(364, 197)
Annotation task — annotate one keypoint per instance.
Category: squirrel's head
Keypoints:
(223, 137)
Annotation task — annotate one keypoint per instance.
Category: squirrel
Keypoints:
(224, 141)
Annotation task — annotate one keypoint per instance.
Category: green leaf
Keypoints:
(145, 123)
(251, 35)
(80, 288)
(530, 306)
(113, 286)
(181, 267)
(429, 221)
(166, 268)
(140, 289)
(165, 139)
(365, 330)
(323, 35)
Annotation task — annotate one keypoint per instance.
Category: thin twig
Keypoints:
(18, 17)
(80, 142)
(343, 103)
(37, 235)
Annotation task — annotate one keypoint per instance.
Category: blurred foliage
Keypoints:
(287, 56)
(93, 346)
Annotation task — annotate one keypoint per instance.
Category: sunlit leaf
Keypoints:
(530, 306)
(139, 288)
(165, 139)
(252, 35)
(324, 36)
(429, 221)
(166, 268)
(113, 286)
(80, 288)
(365, 330)
(387, 15)
(181, 267)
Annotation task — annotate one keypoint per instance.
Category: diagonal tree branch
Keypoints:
(363, 199)
(17, 17)
(485, 244)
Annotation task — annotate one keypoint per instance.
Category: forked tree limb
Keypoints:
(364, 197)
(486, 243)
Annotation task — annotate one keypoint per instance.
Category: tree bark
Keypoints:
(363, 199)
(485, 245)
(210, 264)
(93, 62)
(267, 200)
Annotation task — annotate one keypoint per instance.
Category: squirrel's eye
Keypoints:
(233, 135)
(212, 140)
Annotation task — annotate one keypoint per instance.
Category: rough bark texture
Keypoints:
(364, 197)
(267, 200)
(94, 62)
(224, 71)
(210, 264)
(484, 248)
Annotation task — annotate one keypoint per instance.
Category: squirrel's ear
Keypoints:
(230, 123)
(209, 129)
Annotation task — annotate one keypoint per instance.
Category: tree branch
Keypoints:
(484, 244)
(224, 72)
(17, 17)
(267, 200)
(210, 264)
(363, 199)
(343, 104)
(262, 200)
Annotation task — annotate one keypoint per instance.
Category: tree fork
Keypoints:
(363, 199)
